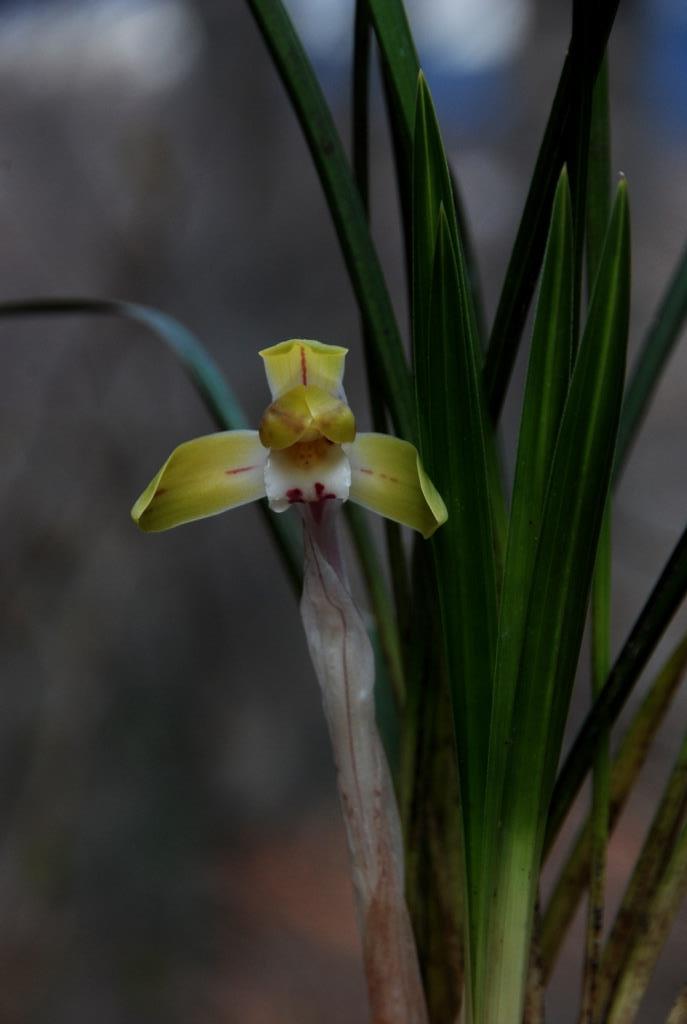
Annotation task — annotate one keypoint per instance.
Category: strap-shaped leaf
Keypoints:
(598, 211)
(401, 66)
(453, 422)
(560, 142)
(559, 595)
(400, 58)
(546, 390)
(650, 903)
(201, 368)
(628, 762)
(651, 623)
(653, 356)
(345, 205)
(431, 191)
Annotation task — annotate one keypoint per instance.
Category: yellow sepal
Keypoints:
(387, 477)
(203, 477)
(298, 361)
(305, 413)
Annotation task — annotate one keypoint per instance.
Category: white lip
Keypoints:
(288, 483)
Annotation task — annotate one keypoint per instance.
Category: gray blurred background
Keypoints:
(170, 845)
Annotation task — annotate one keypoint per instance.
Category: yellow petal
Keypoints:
(305, 413)
(330, 416)
(387, 477)
(203, 477)
(304, 362)
(287, 420)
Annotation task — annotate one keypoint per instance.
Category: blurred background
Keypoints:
(170, 846)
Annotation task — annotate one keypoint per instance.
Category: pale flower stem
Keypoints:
(344, 663)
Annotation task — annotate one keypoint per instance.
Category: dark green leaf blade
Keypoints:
(655, 616)
(561, 580)
(655, 352)
(453, 422)
(651, 900)
(401, 67)
(560, 141)
(598, 211)
(346, 208)
(627, 764)
(431, 191)
(546, 390)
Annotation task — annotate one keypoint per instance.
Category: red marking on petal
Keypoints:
(295, 494)
(304, 367)
(239, 469)
(159, 492)
(319, 491)
(370, 472)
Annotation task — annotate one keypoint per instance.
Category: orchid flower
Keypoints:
(307, 453)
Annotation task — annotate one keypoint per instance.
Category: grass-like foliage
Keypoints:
(478, 635)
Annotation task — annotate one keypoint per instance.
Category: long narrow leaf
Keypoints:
(546, 390)
(632, 753)
(203, 371)
(653, 356)
(345, 206)
(654, 618)
(561, 579)
(560, 140)
(641, 924)
(598, 210)
(453, 422)
(401, 66)
(432, 191)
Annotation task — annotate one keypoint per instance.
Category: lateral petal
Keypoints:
(203, 477)
(299, 361)
(387, 477)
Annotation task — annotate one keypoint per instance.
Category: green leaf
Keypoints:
(346, 208)
(653, 356)
(204, 373)
(397, 561)
(598, 209)
(431, 191)
(654, 618)
(651, 902)
(401, 69)
(400, 59)
(627, 764)
(559, 594)
(546, 390)
(561, 141)
(452, 435)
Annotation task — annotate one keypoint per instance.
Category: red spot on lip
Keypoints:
(239, 469)
(319, 491)
(304, 367)
(294, 495)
